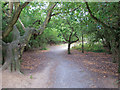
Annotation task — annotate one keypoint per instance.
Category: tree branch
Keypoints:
(71, 31)
(6, 13)
(14, 19)
(21, 24)
(36, 22)
(66, 12)
(64, 36)
(76, 37)
(74, 41)
(10, 7)
(47, 20)
(5, 4)
(98, 20)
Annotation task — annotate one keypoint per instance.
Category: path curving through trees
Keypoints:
(57, 72)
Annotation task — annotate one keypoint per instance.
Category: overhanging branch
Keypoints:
(47, 19)
(66, 12)
(14, 19)
(98, 20)
(21, 24)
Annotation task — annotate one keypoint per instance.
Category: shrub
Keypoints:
(91, 47)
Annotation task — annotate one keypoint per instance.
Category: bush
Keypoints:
(46, 38)
(90, 47)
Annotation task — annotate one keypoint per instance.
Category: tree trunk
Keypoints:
(15, 49)
(119, 70)
(69, 48)
(119, 65)
(13, 20)
(10, 7)
(82, 44)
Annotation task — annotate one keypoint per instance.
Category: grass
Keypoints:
(44, 48)
(31, 77)
(90, 47)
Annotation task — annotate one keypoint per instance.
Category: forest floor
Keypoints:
(54, 68)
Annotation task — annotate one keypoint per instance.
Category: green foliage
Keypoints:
(79, 18)
(8, 39)
(47, 37)
(91, 47)
(31, 77)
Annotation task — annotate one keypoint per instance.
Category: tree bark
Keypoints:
(119, 68)
(82, 44)
(115, 37)
(21, 24)
(69, 48)
(14, 19)
(10, 7)
(16, 47)
(70, 36)
(119, 50)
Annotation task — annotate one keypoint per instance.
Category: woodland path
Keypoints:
(56, 71)
(66, 73)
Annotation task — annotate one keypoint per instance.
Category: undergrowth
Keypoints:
(90, 47)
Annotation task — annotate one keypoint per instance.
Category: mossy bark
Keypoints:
(15, 49)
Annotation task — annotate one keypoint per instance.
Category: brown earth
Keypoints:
(54, 68)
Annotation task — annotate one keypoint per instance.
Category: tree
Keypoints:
(17, 41)
(24, 23)
(112, 25)
(82, 43)
(14, 18)
(15, 49)
(69, 33)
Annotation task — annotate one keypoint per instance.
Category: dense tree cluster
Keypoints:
(28, 25)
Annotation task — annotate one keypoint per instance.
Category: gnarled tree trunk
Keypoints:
(14, 50)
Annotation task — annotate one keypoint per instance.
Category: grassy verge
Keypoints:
(90, 47)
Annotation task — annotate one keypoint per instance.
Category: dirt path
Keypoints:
(55, 70)
(67, 74)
